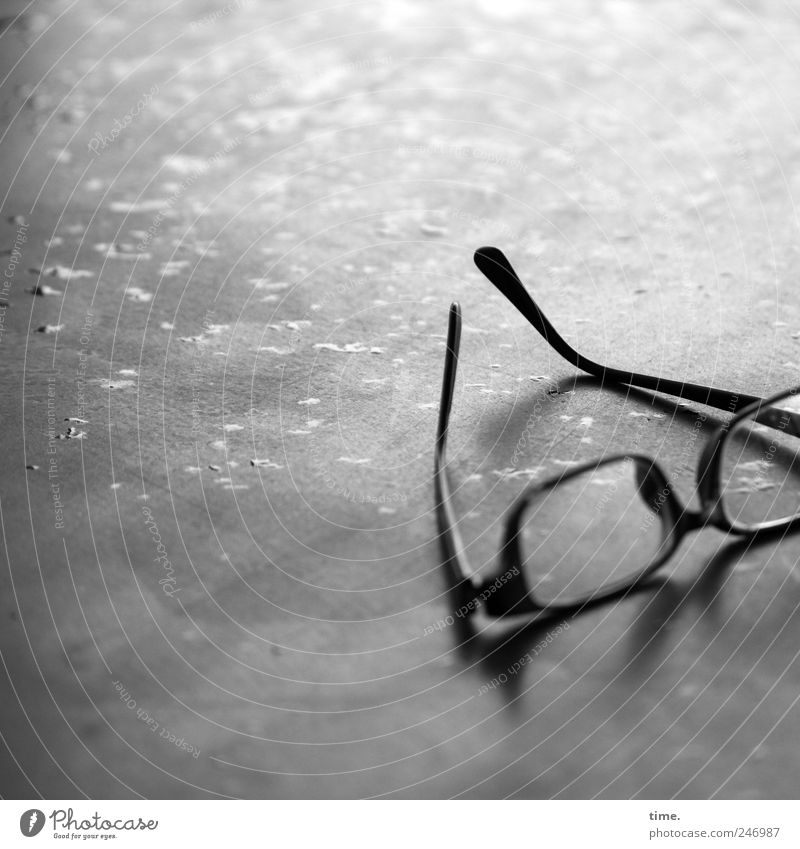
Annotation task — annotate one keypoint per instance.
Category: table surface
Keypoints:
(247, 223)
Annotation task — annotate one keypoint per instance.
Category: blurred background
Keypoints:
(231, 234)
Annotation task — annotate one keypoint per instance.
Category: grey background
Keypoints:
(637, 162)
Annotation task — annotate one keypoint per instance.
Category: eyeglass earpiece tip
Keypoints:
(485, 252)
(490, 259)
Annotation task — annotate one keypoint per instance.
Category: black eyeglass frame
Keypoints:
(514, 596)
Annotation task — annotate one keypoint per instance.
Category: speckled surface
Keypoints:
(246, 223)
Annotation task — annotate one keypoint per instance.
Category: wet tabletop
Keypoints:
(231, 235)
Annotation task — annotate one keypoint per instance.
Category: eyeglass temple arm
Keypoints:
(493, 263)
(468, 584)
(449, 377)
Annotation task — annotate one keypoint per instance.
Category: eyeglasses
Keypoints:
(601, 529)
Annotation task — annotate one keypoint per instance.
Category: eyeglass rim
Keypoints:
(709, 475)
(672, 532)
